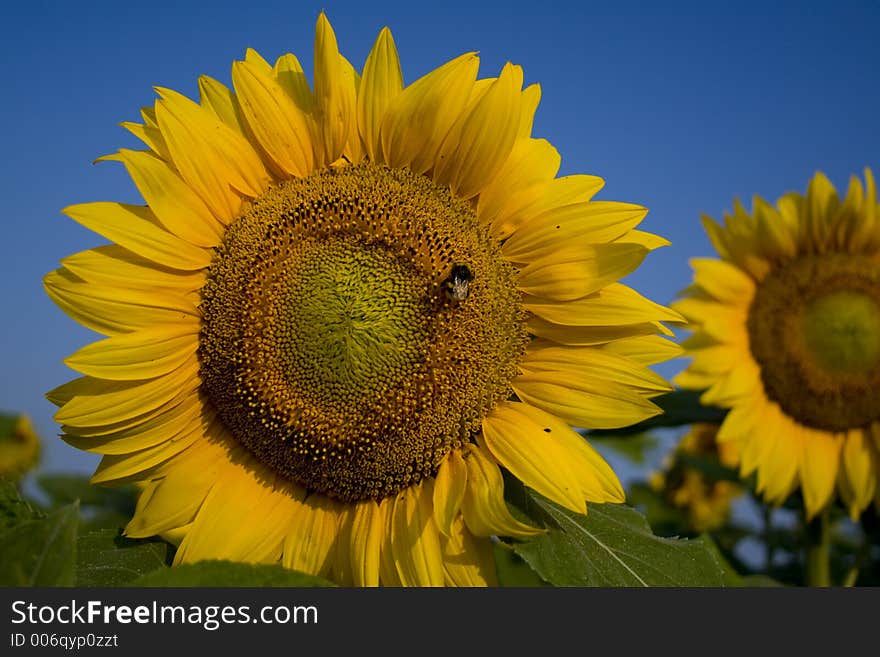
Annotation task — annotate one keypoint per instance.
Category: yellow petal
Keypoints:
(368, 526)
(587, 335)
(722, 321)
(291, 77)
(113, 310)
(151, 136)
(738, 423)
(715, 359)
(125, 468)
(647, 240)
(311, 538)
(382, 83)
(198, 165)
(177, 207)
(142, 434)
(593, 363)
(571, 225)
(417, 120)
(415, 541)
(172, 498)
(819, 463)
(780, 460)
(334, 95)
(226, 526)
(860, 470)
(723, 280)
(558, 196)
(532, 456)
(449, 489)
(693, 380)
(354, 146)
(591, 404)
(117, 267)
(613, 304)
(475, 149)
(128, 398)
(278, 125)
(531, 162)
(467, 560)
(212, 157)
(821, 203)
(772, 232)
(483, 506)
(135, 228)
(256, 60)
(597, 480)
(388, 575)
(740, 382)
(531, 97)
(754, 445)
(575, 273)
(646, 350)
(144, 354)
(218, 99)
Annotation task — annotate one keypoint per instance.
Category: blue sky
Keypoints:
(680, 107)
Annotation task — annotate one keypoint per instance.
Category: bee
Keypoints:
(457, 284)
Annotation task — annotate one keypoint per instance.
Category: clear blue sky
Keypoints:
(679, 107)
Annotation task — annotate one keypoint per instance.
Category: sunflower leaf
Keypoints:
(227, 573)
(106, 558)
(612, 546)
(41, 551)
(512, 570)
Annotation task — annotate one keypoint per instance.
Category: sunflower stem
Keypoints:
(818, 550)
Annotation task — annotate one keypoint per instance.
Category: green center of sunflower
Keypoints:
(814, 328)
(358, 325)
(842, 332)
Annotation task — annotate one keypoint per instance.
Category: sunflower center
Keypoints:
(358, 325)
(842, 332)
(814, 327)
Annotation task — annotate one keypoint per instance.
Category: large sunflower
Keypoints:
(788, 337)
(344, 309)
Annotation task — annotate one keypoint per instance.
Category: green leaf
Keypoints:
(40, 552)
(731, 576)
(13, 509)
(680, 407)
(228, 573)
(106, 558)
(512, 570)
(612, 546)
(65, 488)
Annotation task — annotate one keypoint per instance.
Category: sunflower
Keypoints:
(787, 336)
(344, 309)
(706, 500)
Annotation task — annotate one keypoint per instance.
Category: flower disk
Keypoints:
(329, 346)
